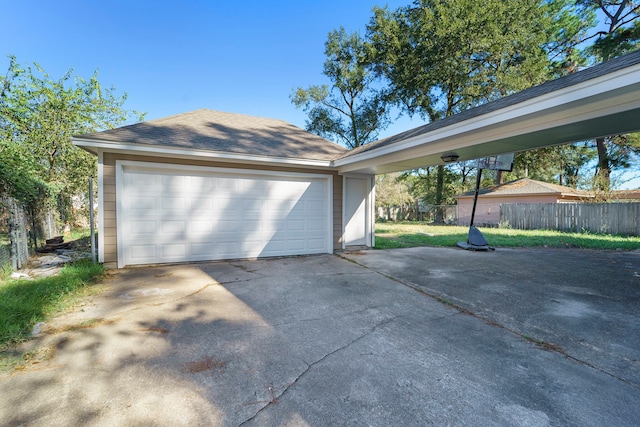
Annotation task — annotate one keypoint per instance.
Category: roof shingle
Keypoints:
(225, 132)
(526, 186)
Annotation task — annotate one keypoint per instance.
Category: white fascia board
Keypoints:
(590, 88)
(194, 154)
(100, 206)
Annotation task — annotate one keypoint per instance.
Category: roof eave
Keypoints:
(551, 193)
(95, 145)
(563, 111)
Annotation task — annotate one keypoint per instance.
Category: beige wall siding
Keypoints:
(109, 198)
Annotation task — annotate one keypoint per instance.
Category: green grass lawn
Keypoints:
(410, 234)
(23, 303)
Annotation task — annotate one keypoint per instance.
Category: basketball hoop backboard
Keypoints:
(503, 162)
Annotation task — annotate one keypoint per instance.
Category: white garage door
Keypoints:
(166, 214)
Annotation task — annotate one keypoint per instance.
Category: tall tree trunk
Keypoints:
(604, 168)
(499, 177)
(439, 189)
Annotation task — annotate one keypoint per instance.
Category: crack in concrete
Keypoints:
(315, 319)
(462, 310)
(286, 389)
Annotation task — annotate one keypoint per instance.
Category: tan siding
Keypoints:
(109, 202)
(337, 212)
(110, 254)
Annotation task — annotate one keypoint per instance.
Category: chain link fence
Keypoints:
(21, 232)
(443, 214)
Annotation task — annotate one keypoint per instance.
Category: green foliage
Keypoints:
(393, 189)
(564, 164)
(38, 117)
(351, 111)
(621, 33)
(18, 177)
(423, 184)
(23, 303)
(442, 57)
(569, 23)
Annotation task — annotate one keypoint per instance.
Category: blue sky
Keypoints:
(172, 57)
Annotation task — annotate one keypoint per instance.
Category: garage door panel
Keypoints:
(202, 250)
(227, 225)
(201, 205)
(142, 204)
(296, 225)
(317, 225)
(142, 226)
(172, 182)
(174, 229)
(143, 253)
(199, 228)
(224, 204)
(200, 184)
(174, 251)
(172, 215)
(316, 244)
(173, 205)
(142, 180)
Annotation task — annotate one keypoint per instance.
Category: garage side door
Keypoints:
(173, 215)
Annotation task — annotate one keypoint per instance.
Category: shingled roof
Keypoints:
(527, 187)
(224, 132)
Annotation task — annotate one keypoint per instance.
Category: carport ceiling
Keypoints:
(600, 101)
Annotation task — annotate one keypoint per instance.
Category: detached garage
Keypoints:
(208, 185)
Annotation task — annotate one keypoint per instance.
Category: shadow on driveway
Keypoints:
(583, 303)
(320, 340)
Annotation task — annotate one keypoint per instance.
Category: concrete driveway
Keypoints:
(324, 340)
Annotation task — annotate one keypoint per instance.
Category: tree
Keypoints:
(393, 191)
(620, 35)
(39, 115)
(569, 24)
(352, 110)
(563, 164)
(441, 57)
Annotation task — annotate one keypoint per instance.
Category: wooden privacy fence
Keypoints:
(606, 218)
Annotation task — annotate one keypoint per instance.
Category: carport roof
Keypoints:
(596, 102)
(542, 89)
(217, 131)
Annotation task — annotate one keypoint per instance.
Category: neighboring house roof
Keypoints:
(218, 131)
(516, 98)
(626, 194)
(527, 187)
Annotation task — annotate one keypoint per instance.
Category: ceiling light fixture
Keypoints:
(449, 157)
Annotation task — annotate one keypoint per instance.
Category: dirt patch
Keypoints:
(91, 323)
(206, 364)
